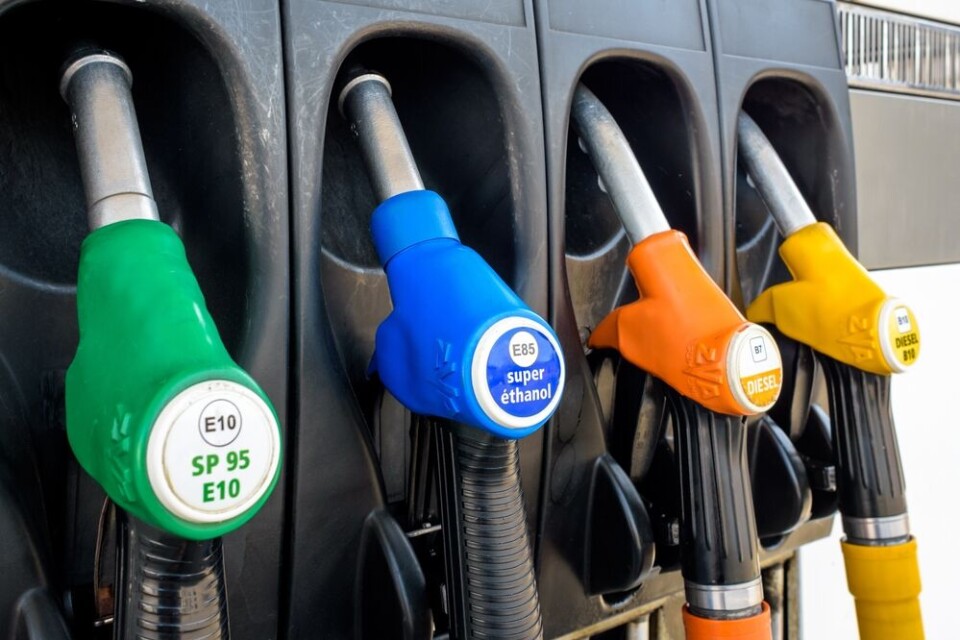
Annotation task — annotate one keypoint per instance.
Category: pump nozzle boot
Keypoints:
(459, 344)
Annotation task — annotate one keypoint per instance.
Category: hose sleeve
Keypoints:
(490, 573)
(753, 628)
(718, 531)
(169, 588)
(885, 583)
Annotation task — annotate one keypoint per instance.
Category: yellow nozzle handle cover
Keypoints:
(835, 307)
(885, 582)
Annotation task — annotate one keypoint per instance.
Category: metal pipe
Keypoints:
(637, 206)
(638, 629)
(96, 85)
(771, 178)
(774, 591)
(366, 104)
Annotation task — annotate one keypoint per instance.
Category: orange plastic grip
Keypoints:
(683, 328)
(753, 628)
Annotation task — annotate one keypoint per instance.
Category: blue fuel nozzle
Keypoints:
(459, 344)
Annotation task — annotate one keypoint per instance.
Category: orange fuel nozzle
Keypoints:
(686, 332)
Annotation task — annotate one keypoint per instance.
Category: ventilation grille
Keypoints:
(893, 52)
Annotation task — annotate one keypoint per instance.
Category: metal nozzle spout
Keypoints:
(771, 178)
(366, 104)
(96, 85)
(617, 167)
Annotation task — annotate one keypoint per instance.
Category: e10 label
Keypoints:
(220, 422)
(223, 489)
(209, 463)
(213, 452)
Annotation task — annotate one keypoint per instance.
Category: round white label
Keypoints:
(517, 373)
(754, 368)
(899, 335)
(213, 451)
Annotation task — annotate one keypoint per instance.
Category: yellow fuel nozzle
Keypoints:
(832, 304)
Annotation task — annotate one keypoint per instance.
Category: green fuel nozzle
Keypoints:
(158, 413)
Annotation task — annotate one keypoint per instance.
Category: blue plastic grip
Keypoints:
(459, 343)
(410, 218)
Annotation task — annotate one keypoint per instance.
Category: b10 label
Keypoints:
(899, 335)
(213, 451)
(518, 372)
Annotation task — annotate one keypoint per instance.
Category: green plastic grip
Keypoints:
(157, 412)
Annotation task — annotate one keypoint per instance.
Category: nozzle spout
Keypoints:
(367, 105)
(771, 178)
(612, 157)
(96, 84)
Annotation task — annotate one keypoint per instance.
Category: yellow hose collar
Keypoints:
(885, 582)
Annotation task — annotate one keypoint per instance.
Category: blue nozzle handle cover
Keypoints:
(459, 343)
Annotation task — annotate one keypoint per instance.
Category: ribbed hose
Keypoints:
(869, 475)
(168, 588)
(490, 576)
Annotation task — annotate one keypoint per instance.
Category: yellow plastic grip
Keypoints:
(885, 582)
(834, 306)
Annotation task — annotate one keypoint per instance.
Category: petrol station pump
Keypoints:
(181, 439)
(635, 512)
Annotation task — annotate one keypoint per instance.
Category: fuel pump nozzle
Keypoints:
(861, 336)
(460, 345)
(718, 367)
(177, 434)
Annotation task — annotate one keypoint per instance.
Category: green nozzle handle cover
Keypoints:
(157, 411)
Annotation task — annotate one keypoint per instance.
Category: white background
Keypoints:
(926, 406)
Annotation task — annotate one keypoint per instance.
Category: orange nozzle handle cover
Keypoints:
(753, 628)
(682, 327)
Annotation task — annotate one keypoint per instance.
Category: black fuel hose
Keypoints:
(491, 584)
